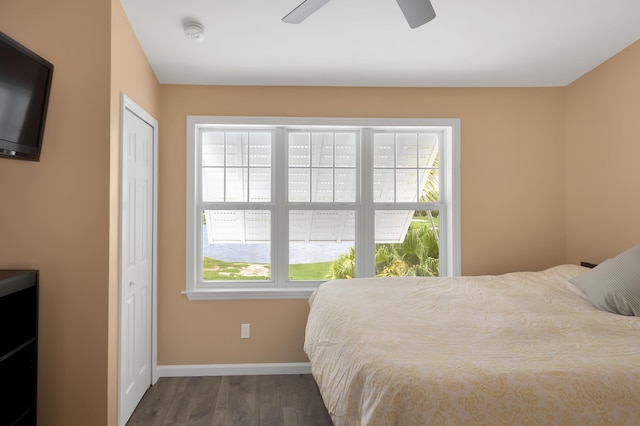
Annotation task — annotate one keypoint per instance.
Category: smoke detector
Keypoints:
(194, 31)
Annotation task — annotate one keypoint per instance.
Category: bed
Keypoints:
(525, 348)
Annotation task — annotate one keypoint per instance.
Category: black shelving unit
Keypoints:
(18, 347)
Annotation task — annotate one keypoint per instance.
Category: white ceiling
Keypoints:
(470, 43)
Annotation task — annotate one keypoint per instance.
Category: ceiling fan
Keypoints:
(417, 12)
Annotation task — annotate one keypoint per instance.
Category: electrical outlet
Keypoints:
(245, 331)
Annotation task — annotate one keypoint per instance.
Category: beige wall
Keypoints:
(55, 213)
(602, 150)
(60, 215)
(131, 75)
(512, 199)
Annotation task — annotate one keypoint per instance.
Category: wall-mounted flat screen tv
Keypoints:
(25, 83)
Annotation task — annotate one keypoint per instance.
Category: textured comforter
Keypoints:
(516, 349)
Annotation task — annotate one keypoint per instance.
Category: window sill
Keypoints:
(250, 293)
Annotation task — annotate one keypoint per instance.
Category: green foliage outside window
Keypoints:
(416, 256)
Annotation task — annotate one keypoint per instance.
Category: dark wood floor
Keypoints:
(288, 400)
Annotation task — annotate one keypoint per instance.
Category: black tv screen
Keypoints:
(25, 83)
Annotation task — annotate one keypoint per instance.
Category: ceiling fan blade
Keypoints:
(303, 11)
(417, 12)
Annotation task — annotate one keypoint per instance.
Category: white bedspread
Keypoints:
(517, 349)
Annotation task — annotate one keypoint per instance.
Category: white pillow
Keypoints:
(614, 285)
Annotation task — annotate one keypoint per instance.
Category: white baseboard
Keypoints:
(233, 369)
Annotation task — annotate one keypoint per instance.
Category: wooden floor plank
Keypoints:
(220, 403)
(243, 401)
(153, 407)
(290, 416)
(279, 400)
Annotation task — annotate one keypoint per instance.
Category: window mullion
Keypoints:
(196, 216)
(224, 167)
(198, 246)
(280, 225)
(247, 167)
(333, 171)
(365, 219)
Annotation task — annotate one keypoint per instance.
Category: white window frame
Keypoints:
(279, 288)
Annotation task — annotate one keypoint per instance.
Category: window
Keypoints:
(276, 206)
